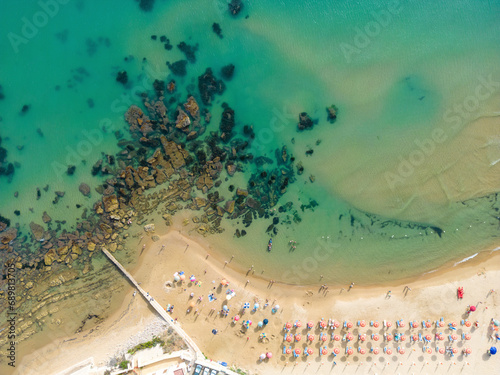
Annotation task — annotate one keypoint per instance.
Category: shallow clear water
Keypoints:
(395, 73)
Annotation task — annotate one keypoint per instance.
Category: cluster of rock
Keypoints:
(6, 168)
(235, 7)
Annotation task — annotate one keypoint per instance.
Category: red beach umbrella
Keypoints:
(467, 336)
(310, 351)
(441, 337)
(336, 338)
(376, 324)
(428, 337)
(375, 337)
(468, 323)
(297, 337)
(349, 351)
(349, 324)
(288, 351)
(362, 351)
(415, 338)
(298, 351)
(288, 325)
(454, 337)
(324, 338)
(324, 351)
(388, 351)
(269, 355)
(362, 323)
(401, 351)
(468, 350)
(402, 324)
(441, 323)
(336, 324)
(376, 351)
(362, 337)
(455, 350)
(310, 324)
(402, 337)
(472, 308)
(441, 350)
(349, 337)
(429, 351)
(428, 324)
(322, 324)
(289, 338)
(310, 338)
(298, 324)
(388, 324)
(414, 325)
(336, 350)
(453, 324)
(236, 318)
(388, 337)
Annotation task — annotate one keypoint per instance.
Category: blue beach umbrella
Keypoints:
(260, 324)
(256, 306)
(493, 350)
(266, 321)
(225, 308)
(246, 305)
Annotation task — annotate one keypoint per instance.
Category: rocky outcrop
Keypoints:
(331, 113)
(46, 218)
(37, 231)
(110, 203)
(192, 107)
(209, 86)
(227, 123)
(178, 68)
(227, 72)
(305, 122)
(217, 30)
(8, 235)
(235, 7)
(182, 121)
(84, 189)
(189, 51)
(176, 154)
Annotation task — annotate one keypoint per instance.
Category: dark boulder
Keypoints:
(71, 170)
(84, 189)
(235, 7)
(227, 72)
(305, 122)
(189, 51)
(209, 86)
(217, 29)
(122, 77)
(146, 5)
(227, 124)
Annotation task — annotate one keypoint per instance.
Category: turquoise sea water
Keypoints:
(396, 72)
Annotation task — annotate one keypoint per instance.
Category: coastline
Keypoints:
(306, 302)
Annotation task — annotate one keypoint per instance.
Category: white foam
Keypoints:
(425, 273)
(495, 249)
(466, 259)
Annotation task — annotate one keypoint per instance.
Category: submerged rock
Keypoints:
(305, 122)
(189, 51)
(209, 86)
(235, 7)
(8, 235)
(178, 68)
(227, 123)
(84, 189)
(217, 30)
(37, 231)
(46, 218)
(227, 72)
(122, 77)
(331, 113)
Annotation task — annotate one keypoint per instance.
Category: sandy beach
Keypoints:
(430, 297)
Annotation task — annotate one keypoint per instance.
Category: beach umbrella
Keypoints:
(246, 305)
(429, 351)
(441, 323)
(376, 351)
(468, 350)
(415, 338)
(265, 321)
(192, 279)
(289, 338)
(441, 350)
(262, 357)
(388, 351)
(401, 351)
(375, 337)
(349, 351)
(277, 307)
(223, 282)
(269, 355)
(414, 325)
(183, 277)
(496, 322)
(454, 350)
(192, 304)
(453, 324)
(402, 337)
(428, 337)
(349, 337)
(362, 323)
(298, 324)
(324, 351)
(297, 337)
(336, 338)
(362, 337)
(388, 324)
(176, 278)
(376, 324)
(322, 324)
(288, 325)
(298, 351)
(493, 350)
(472, 308)
(181, 273)
(310, 337)
(467, 336)
(236, 318)
(256, 306)
(260, 324)
(362, 351)
(428, 324)
(288, 351)
(402, 324)
(225, 308)
(310, 324)
(349, 324)
(228, 297)
(440, 337)
(310, 351)
(468, 323)
(336, 324)
(324, 338)
(336, 350)
(388, 337)
(454, 337)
